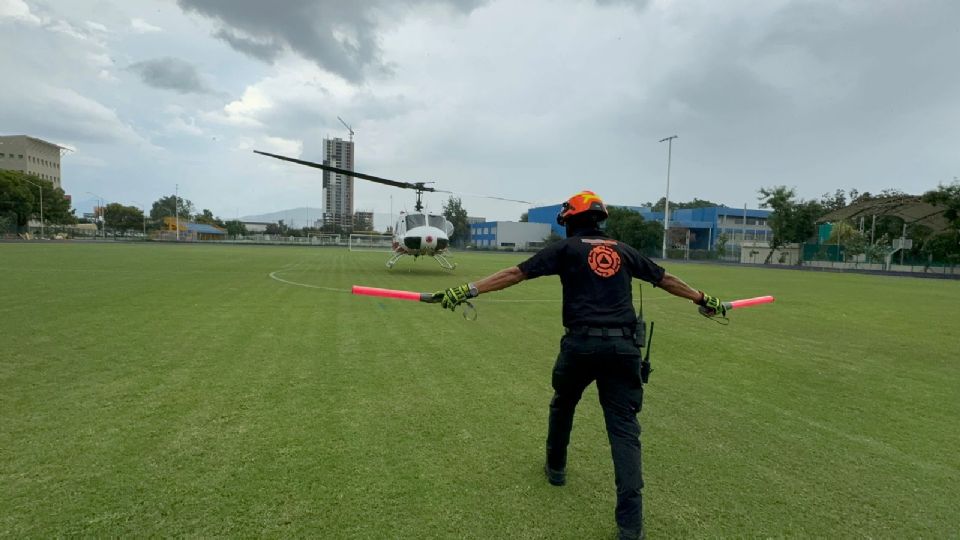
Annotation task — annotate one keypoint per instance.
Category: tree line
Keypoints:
(792, 219)
(20, 201)
(20, 196)
(795, 220)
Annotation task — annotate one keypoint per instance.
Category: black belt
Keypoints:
(624, 331)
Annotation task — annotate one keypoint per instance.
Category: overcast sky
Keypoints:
(532, 99)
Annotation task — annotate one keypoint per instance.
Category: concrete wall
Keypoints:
(877, 267)
(756, 253)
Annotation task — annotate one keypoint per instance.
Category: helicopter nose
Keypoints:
(430, 242)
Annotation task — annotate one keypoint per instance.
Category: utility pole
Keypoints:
(103, 212)
(176, 208)
(143, 212)
(666, 200)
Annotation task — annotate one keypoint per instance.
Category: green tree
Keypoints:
(722, 240)
(792, 220)
(781, 200)
(123, 218)
(16, 201)
(947, 197)
(20, 200)
(836, 201)
(552, 238)
(674, 205)
(236, 228)
(842, 233)
(456, 214)
(524, 217)
(630, 228)
(207, 217)
(945, 245)
(169, 206)
(280, 228)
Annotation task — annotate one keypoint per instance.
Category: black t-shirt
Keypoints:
(596, 273)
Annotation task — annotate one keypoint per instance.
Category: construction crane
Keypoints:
(350, 129)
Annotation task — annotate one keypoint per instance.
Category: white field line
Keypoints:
(273, 275)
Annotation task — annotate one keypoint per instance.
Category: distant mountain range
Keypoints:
(307, 216)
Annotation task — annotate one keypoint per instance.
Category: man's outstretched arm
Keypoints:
(709, 305)
(455, 296)
(507, 277)
(675, 286)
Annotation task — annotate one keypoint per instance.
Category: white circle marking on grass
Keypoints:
(273, 275)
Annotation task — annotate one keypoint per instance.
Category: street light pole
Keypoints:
(143, 212)
(39, 187)
(666, 200)
(176, 208)
(103, 213)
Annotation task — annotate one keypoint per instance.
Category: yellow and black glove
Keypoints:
(711, 306)
(454, 296)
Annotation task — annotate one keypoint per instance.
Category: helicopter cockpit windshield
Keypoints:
(437, 221)
(415, 220)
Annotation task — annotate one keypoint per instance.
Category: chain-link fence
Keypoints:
(880, 257)
(8, 225)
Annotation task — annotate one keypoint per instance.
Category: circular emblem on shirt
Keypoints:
(604, 261)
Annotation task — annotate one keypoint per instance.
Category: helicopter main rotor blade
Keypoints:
(491, 197)
(416, 186)
(345, 172)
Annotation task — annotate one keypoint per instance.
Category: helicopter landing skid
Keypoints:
(444, 262)
(393, 260)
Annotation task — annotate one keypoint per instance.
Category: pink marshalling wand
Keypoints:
(393, 293)
(747, 302)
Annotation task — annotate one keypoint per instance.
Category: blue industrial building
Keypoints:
(508, 235)
(705, 224)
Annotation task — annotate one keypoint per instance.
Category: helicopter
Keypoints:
(416, 234)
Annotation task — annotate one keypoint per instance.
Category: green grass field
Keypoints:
(170, 390)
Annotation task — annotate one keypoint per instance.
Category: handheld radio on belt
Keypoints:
(645, 369)
(639, 337)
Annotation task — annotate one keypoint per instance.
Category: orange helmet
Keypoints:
(582, 203)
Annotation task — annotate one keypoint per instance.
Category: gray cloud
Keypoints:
(531, 100)
(261, 50)
(639, 4)
(171, 74)
(338, 36)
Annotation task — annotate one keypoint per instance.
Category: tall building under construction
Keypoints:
(337, 188)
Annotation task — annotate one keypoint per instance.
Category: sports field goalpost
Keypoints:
(371, 242)
(326, 240)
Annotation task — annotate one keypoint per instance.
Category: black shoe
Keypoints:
(556, 478)
(632, 534)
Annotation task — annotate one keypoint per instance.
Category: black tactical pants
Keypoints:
(614, 362)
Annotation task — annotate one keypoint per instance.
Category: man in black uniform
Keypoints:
(599, 345)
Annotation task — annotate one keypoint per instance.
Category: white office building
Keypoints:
(32, 156)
